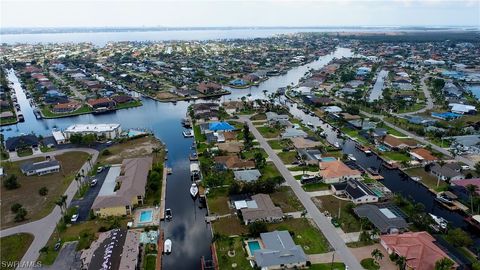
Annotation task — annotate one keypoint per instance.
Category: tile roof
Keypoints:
(336, 169)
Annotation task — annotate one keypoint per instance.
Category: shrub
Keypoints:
(15, 207)
(11, 182)
(20, 214)
(43, 191)
(106, 152)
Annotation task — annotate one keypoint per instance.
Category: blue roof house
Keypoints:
(220, 126)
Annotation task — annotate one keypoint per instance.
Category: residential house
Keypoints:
(247, 175)
(273, 118)
(449, 171)
(13, 144)
(109, 131)
(264, 211)
(68, 107)
(332, 109)
(423, 155)
(361, 124)
(122, 99)
(310, 156)
(101, 103)
(233, 163)
(399, 143)
(459, 187)
(462, 108)
(123, 188)
(208, 88)
(293, 132)
(382, 217)
(279, 252)
(40, 168)
(337, 171)
(355, 190)
(418, 248)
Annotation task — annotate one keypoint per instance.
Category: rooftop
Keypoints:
(92, 128)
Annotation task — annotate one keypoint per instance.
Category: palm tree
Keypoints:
(472, 191)
(59, 203)
(401, 262)
(77, 179)
(155, 151)
(377, 255)
(444, 264)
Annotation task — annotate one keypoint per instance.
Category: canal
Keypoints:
(190, 235)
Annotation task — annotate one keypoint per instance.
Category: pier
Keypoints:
(164, 192)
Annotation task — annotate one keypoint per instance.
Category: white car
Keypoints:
(74, 218)
(99, 169)
(93, 182)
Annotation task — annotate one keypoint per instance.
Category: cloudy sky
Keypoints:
(77, 13)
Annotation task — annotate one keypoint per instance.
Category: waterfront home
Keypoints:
(382, 217)
(337, 171)
(231, 107)
(58, 137)
(220, 126)
(399, 143)
(449, 171)
(419, 120)
(108, 131)
(310, 156)
(7, 114)
(247, 175)
(304, 143)
(451, 90)
(68, 107)
(354, 190)
(207, 88)
(418, 248)
(101, 103)
(317, 101)
(279, 252)
(40, 168)
(274, 118)
(13, 144)
(293, 132)
(123, 188)
(119, 99)
(215, 137)
(231, 147)
(423, 155)
(446, 116)
(233, 163)
(332, 109)
(459, 187)
(262, 210)
(238, 83)
(361, 124)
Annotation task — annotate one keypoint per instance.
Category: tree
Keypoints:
(11, 182)
(444, 264)
(20, 215)
(260, 160)
(76, 138)
(377, 255)
(15, 207)
(401, 262)
(256, 228)
(458, 238)
(43, 191)
(472, 191)
(89, 139)
(247, 137)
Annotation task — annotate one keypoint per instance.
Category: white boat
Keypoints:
(441, 222)
(188, 133)
(351, 157)
(194, 190)
(416, 178)
(167, 246)
(310, 124)
(194, 171)
(336, 144)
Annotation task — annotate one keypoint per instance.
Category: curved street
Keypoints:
(43, 228)
(428, 97)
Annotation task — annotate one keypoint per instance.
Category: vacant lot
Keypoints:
(14, 247)
(225, 261)
(231, 225)
(347, 220)
(132, 148)
(286, 199)
(27, 194)
(427, 179)
(288, 157)
(218, 201)
(269, 132)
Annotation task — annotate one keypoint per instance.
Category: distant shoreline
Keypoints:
(66, 30)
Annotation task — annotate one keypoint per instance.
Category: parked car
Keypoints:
(93, 182)
(99, 169)
(74, 218)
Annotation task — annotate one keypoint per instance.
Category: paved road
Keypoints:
(72, 88)
(43, 228)
(428, 97)
(320, 220)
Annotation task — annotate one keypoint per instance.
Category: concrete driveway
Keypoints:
(68, 258)
(85, 204)
(366, 252)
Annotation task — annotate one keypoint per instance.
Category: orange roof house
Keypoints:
(418, 248)
(398, 143)
(423, 155)
(336, 171)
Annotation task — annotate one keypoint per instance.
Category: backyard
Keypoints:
(426, 178)
(218, 201)
(27, 194)
(236, 260)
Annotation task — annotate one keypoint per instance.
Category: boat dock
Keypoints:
(164, 192)
(160, 250)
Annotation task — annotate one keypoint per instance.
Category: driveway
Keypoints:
(322, 222)
(85, 204)
(68, 258)
(366, 252)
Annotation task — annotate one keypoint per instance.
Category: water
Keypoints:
(475, 89)
(190, 235)
(378, 86)
(146, 216)
(253, 245)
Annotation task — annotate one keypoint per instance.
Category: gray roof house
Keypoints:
(265, 211)
(40, 168)
(273, 117)
(310, 156)
(247, 175)
(293, 132)
(451, 171)
(382, 218)
(279, 252)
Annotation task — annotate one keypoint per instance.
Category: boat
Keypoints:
(364, 149)
(351, 157)
(310, 124)
(37, 114)
(474, 221)
(194, 171)
(390, 166)
(336, 144)
(167, 246)
(168, 214)
(439, 221)
(323, 134)
(194, 190)
(169, 170)
(193, 156)
(20, 118)
(441, 197)
(416, 178)
(188, 133)
(186, 122)
(372, 171)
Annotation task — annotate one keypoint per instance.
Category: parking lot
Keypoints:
(84, 205)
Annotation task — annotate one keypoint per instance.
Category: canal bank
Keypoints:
(190, 234)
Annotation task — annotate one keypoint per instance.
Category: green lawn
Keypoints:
(131, 104)
(150, 262)
(269, 171)
(225, 261)
(258, 117)
(269, 132)
(199, 137)
(288, 157)
(310, 168)
(354, 134)
(217, 200)
(369, 264)
(14, 247)
(316, 187)
(348, 221)
(305, 234)
(25, 152)
(395, 156)
(427, 179)
(286, 199)
(231, 225)
(47, 113)
(280, 144)
(327, 266)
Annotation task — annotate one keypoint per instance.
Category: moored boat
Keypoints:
(194, 190)
(167, 246)
(188, 133)
(440, 222)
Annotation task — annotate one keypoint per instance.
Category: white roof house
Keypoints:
(332, 109)
(110, 131)
(58, 136)
(462, 108)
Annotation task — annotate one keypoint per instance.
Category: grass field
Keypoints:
(231, 225)
(132, 148)
(268, 132)
(14, 247)
(347, 220)
(305, 234)
(217, 200)
(27, 194)
(286, 200)
(240, 258)
(279, 144)
(327, 266)
(315, 187)
(395, 156)
(288, 157)
(428, 179)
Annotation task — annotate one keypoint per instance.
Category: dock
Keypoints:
(160, 250)
(164, 192)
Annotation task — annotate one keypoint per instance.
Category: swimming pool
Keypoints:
(134, 133)
(146, 216)
(328, 159)
(253, 245)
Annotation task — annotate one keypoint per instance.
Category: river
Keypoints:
(188, 231)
